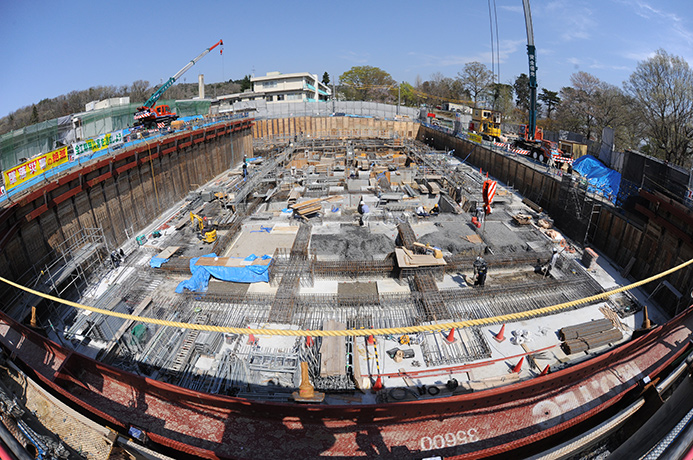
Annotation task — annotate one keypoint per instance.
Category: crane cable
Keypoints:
(359, 332)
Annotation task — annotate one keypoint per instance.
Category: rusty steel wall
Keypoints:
(121, 194)
(333, 127)
(648, 245)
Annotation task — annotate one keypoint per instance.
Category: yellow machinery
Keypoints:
(487, 123)
(207, 234)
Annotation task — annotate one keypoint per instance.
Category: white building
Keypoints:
(290, 87)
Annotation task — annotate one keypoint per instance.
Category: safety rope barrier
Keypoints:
(359, 332)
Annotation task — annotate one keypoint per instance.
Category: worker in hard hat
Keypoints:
(480, 271)
(435, 210)
(421, 211)
(551, 262)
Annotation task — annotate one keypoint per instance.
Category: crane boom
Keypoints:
(155, 97)
(532, 55)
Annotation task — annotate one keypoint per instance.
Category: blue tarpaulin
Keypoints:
(245, 274)
(157, 262)
(602, 180)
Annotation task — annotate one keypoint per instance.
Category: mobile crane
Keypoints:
(150, 116)
(532, 137)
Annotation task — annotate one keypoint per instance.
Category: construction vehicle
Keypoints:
(531, 137)
(160, 116)
(486, 122)
(207, 233)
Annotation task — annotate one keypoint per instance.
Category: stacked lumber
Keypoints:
(585, 336)
(311, 206)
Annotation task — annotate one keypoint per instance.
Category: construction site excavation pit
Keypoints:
(362, 233)
(294, 248)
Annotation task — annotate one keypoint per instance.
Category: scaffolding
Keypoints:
(68, 266)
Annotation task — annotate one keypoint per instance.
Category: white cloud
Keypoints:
(351, 56)
(506, 49)
(513, 8)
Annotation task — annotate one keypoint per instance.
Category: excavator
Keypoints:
(208, 233)
(161, 115)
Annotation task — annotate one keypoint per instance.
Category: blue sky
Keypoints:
(51, 48)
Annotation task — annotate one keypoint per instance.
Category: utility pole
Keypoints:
(399, 97)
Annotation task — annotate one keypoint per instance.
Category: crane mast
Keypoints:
(532, 55)
(155, 97)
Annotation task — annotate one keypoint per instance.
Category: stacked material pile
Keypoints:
(586, 336)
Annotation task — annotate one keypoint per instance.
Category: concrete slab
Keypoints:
(390, 286)
(321, 287)
(254, 241)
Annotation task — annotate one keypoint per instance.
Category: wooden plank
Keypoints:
(168, 252)
(333, 351)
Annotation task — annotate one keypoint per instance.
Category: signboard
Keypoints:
(474, 138)
(2, 190)
(689, 194)
(431, 115)
(34, 167)
(98, 143)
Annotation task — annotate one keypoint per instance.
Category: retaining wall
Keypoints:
(657, 237)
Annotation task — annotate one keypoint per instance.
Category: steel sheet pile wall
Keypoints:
(333, 127)
(121, 194)
(654, 238)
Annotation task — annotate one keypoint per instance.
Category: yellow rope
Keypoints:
(358, 332)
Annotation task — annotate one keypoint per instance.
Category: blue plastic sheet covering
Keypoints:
(602, 180)
(245, 274)
(157, 262)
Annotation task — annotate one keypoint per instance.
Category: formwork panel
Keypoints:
(114, 210)
(122, 186)
(33, 239)
(51, 228)
(83, 207)
(138, 198)
(103, 219)
(67, 218)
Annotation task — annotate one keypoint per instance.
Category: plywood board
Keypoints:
(406, 258)
(474, 238)
(333, 351)
(168, 252)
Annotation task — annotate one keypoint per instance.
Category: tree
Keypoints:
(245, 83)
(662, 91)
(476, 79)
(139, 91)
(366, 83)
(408, 95)
(551, 99)
(521, 87)
(34, 116)
(502, 97)
(325, 79)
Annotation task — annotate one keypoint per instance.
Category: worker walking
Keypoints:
(480, 271)
(551, 262)
(364, 211)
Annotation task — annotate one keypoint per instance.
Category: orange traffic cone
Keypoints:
(251, 339)
(501, 335)
(378, 385)
(518, 366)
(309, 341)
(451, 336)
(545, 371)
(371, 340)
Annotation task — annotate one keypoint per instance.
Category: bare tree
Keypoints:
(476, 79)
(139, 91)
(662, 90)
